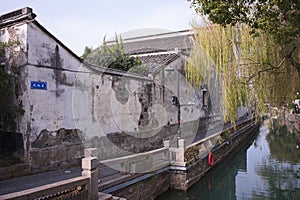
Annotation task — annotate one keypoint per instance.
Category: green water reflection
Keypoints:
(268, 168)
(282, 142)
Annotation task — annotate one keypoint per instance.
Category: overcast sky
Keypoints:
(84, 23)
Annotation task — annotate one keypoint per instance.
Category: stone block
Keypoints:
(89, 163)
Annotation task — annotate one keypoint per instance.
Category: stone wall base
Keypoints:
(147, 189)
(56, 157)
(14, 171)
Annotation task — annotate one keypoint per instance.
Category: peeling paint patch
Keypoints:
(122, 94)
(53, 138)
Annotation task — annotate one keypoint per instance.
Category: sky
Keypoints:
(84, 23)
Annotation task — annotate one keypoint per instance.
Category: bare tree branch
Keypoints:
(294, 63)
(270, 69)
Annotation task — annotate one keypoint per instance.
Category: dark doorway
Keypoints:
(11, 148)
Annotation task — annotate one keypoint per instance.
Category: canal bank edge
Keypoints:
(185, 177)
(182, 176)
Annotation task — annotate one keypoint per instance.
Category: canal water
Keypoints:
(268, 168)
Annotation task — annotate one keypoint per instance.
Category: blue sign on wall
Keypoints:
(38, 85)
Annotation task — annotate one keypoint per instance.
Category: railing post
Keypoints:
(124, 168)
(166, 154)
(89, 166)
(181, 150)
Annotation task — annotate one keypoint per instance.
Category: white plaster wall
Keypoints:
(83, 100)
(191, 108)
(50, 109)
(79, 98)
(86, 102)
(46, 110)
(126, 116)
(96, 109)
(41, 47)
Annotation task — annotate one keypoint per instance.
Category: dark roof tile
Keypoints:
(159, 44)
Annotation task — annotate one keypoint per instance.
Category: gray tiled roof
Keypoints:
(159, 44)
(158, 51)
(156, 62)
(159, 58)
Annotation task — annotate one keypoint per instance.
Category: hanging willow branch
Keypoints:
(254, 70)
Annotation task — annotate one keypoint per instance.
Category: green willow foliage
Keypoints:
(114, 57)
(253, 70)
(8, 110)
(5, 79)
(279, 18)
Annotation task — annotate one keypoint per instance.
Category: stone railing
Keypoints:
(75, 188)
(201, 148)
(159, 158)
(80, 188)
(177, 154)
(148, 161)
(181, 155)
(141, 162)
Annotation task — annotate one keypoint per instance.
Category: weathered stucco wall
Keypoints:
(82, 104)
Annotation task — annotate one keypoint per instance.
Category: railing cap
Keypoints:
(90, 152)
(89, 163)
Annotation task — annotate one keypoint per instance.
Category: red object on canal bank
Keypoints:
(210, 159)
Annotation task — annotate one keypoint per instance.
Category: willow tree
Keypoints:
(255, 46)
(252, 69)
(9, 110)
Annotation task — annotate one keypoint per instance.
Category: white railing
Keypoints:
(166, 156)
(149, 161)
(201, 148)
(84, 187)
(140, 162)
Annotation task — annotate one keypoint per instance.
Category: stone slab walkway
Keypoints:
(26, 182)
(31, 181)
